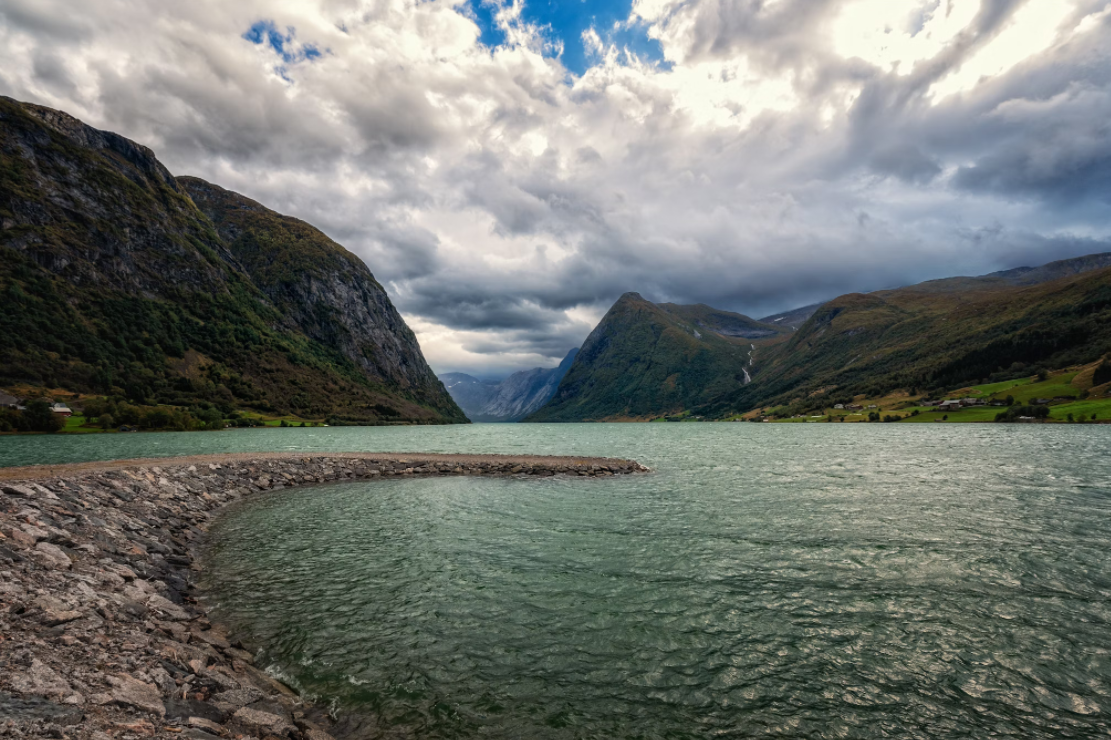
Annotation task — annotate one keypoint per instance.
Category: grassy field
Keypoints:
(76, 425)
(1064, 383)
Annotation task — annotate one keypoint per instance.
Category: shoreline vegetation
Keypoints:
(102, 623)
(1074, 395)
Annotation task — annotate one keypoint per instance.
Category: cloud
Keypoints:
(752, 154)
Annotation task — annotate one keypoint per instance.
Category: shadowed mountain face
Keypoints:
(512, 399)
(644, 360)
(115, 281)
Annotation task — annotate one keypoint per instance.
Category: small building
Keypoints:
(972, 402)
(873, 406)
(1040, 401)
(853, 407)
(953, 405)
(61, 408)
(839, 406)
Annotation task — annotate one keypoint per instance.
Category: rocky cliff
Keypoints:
(114, 281)
(512, 399)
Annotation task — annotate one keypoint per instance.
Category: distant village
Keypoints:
(20, 404)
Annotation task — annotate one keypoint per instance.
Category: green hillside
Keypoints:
(930, 338)
(115, 282)
(645, 359)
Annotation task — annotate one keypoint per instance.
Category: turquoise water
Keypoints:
(817, 581)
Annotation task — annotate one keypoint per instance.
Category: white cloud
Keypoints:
(790, 151)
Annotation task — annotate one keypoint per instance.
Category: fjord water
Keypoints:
(797, 581)
(785, 581)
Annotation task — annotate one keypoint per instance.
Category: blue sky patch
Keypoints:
(285, 45)
(564, 21)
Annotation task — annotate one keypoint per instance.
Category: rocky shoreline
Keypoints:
(102, 634)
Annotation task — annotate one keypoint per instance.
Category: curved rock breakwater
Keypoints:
(102, 634)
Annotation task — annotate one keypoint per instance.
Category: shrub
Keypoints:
(1012, 414)
(1102, 374)
(41, 419)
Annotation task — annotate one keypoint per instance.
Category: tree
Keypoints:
(1042, 375)
(106, 421)
(41, 418)
(1102, 374)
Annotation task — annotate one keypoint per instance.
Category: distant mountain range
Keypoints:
(118, 278)
(647, 360)
(509, 400)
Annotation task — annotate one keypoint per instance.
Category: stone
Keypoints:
(132, 692)
(28, 708)
(168, 608)
(205, 724)
(264, 722)
(230, 701)
(51, 556)
(40, 679)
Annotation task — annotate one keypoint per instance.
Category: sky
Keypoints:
(508, 168)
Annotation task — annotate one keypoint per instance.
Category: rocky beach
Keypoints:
(102, 631)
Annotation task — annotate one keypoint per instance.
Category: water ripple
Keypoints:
(793, 582)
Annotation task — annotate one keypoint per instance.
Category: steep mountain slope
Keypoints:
(933, 336)
(470, 393)
(645, 360)
(321, 290)
(513, 399)
(114, 281)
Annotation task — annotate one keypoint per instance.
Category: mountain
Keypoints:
(470, 393)
(1054, 270)
(512, 399)
(118, 277)
(932, 336)
(1004, 278)
(645, 359)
